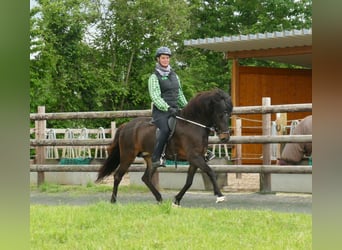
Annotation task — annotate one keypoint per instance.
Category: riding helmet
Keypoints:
(163, 51)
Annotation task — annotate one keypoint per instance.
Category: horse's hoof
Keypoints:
(175, 205)
(220, 199)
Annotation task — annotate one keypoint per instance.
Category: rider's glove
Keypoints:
(172, 111)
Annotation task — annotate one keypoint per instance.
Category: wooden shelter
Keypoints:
(250, 84)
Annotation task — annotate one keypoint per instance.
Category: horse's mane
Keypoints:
(203, 103)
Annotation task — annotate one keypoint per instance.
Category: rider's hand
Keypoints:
(172, 111)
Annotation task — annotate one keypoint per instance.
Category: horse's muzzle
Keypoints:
(224, 136)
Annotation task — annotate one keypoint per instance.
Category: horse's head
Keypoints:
(221, 108)
(213, 109)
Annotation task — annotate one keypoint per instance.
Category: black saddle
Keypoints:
(172, 126)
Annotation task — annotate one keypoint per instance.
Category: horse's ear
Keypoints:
(220, 94)
(223, 93)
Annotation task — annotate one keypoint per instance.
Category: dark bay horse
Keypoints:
(207, 111)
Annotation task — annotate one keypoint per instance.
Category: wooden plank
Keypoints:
(238, 129)
(79, 130)
(303, 107)
(265, 178)
(297, 50)
(91, 115)
(284, 86)
(288, 169)
(258, 139)
(40, 151)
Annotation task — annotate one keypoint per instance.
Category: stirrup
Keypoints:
(158, 164)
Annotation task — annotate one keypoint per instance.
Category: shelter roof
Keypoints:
(292, 46)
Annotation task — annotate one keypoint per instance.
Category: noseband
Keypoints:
(224, 132)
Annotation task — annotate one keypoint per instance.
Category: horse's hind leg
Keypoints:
(117, 179)
(147, 179)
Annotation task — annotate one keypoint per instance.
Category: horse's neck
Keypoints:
(203, 119)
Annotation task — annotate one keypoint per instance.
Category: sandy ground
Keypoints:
(281, 202)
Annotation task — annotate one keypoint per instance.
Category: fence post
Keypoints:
(238, 146)
(113, 129)
(40, 150)
(265, 179)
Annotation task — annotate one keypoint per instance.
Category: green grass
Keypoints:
(148, 226)
(89, 188)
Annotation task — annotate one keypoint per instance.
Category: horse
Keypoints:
(206, 112)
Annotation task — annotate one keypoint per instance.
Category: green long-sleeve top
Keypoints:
(155, 94)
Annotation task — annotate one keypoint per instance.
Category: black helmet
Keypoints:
(163, 51)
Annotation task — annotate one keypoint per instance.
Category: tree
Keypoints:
(129, 32)
(59, 69)
(90, 55)
(256, 16)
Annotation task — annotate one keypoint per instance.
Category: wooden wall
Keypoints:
(283, 86)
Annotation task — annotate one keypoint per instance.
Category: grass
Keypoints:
(148, 226)
(89, 188)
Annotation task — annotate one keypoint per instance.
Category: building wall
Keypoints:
(283, 86)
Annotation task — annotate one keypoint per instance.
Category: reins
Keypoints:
(195, 123)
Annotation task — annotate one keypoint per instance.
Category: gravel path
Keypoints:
(292, 203)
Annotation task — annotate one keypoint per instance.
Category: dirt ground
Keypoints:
(241, 192)
(281, 202)
(235, 182)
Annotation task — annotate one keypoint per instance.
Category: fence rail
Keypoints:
(266, 139)
(304, 107)
(261, 139)
(180, 169)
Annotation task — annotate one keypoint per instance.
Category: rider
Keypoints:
(167, 96)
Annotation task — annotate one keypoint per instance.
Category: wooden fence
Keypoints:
(266, 139)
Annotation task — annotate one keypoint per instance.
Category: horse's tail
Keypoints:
(113, 159)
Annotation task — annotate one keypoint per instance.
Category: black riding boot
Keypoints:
(157, 160)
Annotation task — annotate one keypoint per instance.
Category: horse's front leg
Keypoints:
(212, 176)
(189, 179)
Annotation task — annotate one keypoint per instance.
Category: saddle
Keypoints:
(172, 121)
(172, 126)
